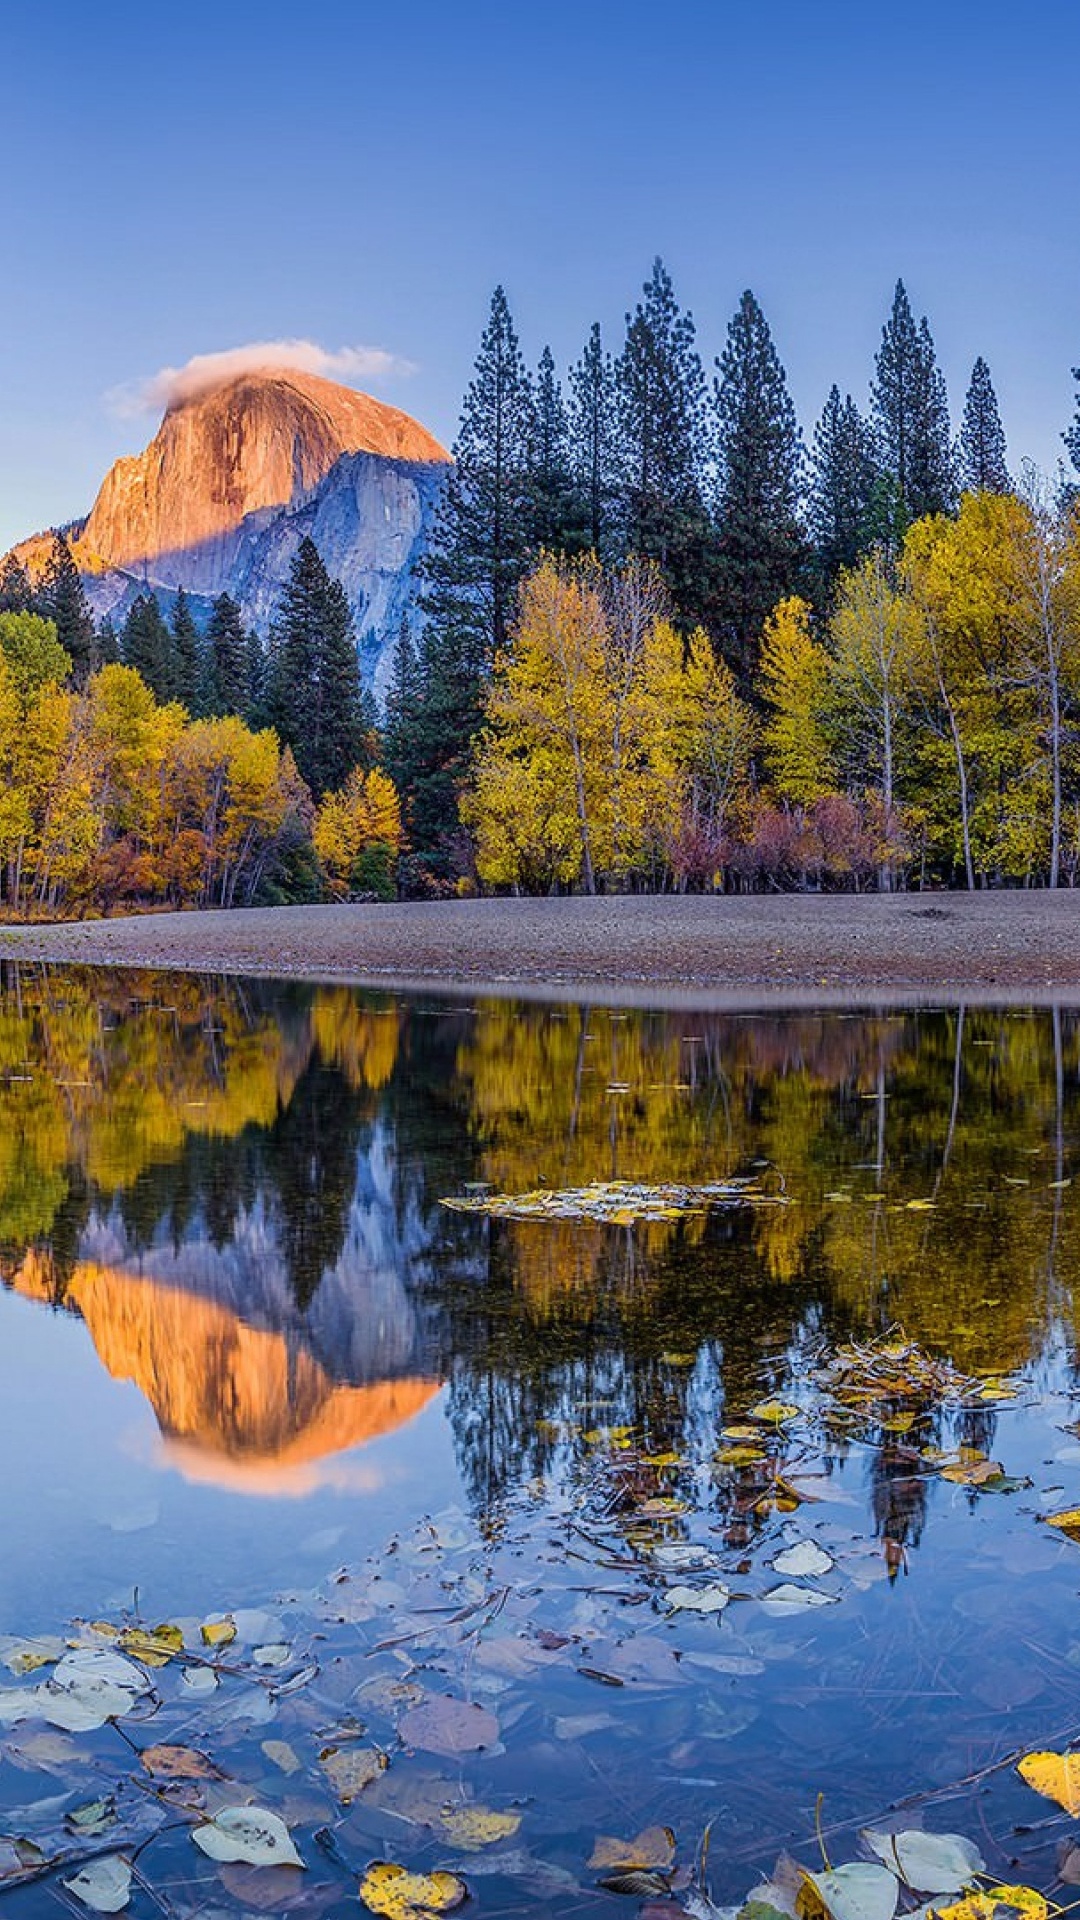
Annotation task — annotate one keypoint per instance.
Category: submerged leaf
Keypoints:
(653, 1847)
(473, 1827)
(441, 1724)
(104, 1885)
(166, 1762)
(351, 1769)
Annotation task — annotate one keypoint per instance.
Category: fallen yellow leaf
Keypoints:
(399, 1895)
(474, 1827)
(653, 1847)
(996, 1901)
(1057, 1775)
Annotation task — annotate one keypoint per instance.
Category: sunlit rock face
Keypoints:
(233, 480)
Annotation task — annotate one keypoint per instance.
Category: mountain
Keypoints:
(234, 478)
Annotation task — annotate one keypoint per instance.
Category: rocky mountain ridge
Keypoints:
(236, 476)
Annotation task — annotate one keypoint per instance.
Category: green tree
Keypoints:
(61, 599)
(593, 436)
(981, 452)
(911, 414)
(146, 645)
(313, 695)
(761, 548)
(226, 660)
(555, 510)
(16, 592)
(661, 426)
(186, 651)
(841, 493)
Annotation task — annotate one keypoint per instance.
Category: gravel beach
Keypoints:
(828, 949)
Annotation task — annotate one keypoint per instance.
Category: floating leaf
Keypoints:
(614, 1202)
(22, 1656)
(1067, 1523)
(996, 1904)
(251, 1834)
(774, 1413)
(351, 1769)
(1057, 1775)
(474, 1827)
(929, 1863)
(853, 1892)
(741, 1455)
(104, 1885)
(86, 1689)
(653, 1847)
(93, 1817)
(164, 1762)
(697, 1599)
(804, 1560)
(154, 1646)
(399, 1895)
(441, 1724)
(218, 1633)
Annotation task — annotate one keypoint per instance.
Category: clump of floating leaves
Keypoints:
(617, 1203)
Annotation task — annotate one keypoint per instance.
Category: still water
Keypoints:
(251, 1366)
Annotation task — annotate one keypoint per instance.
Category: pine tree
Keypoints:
(555, 515)
(761, 548)
(911, 414)
(661, 400)
(313, 696)
(981, 452)
(402, 698)
(62, 600)
(146, 645)
(841, 499)
(478, 555)
(108, 644)
(16, 593)
(186, 652)
(593, 444)
(226, 664)
(481, 541)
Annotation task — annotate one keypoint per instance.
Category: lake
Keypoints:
(500, 1543)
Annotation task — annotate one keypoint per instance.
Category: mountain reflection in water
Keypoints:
(237, 1186)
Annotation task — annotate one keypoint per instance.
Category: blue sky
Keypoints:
(177, 181)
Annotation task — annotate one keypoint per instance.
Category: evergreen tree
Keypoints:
(481, 541)
(761, 547)
(226, 661)
(108, 644)
(479, 552)
(841, 500)
(402, 699)
(16, 593)
(61, 599)
(146, 645)
(186, 652)
(313, 695)
(554, 511)
(911, 414)
(981, 452)
(593, 444)
(661, 398)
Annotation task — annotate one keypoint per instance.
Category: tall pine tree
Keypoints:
(16, 592)
(661, 425)
(226, 684)
(62, 600)
(479, 552)
(593, 439)
(761, 548)
(146, 644)
(313, 697)
(911, 415)
(555, 512)
(186, 651)
(981, 461)
(843, 474)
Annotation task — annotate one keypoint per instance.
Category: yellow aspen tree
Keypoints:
(796, 681)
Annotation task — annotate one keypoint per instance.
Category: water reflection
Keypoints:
(236, 1187)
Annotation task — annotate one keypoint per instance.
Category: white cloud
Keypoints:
(171, 385)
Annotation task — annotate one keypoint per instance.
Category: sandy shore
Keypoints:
(836, 948)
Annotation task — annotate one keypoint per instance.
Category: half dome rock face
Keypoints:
(263, 441)
(234, 478)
